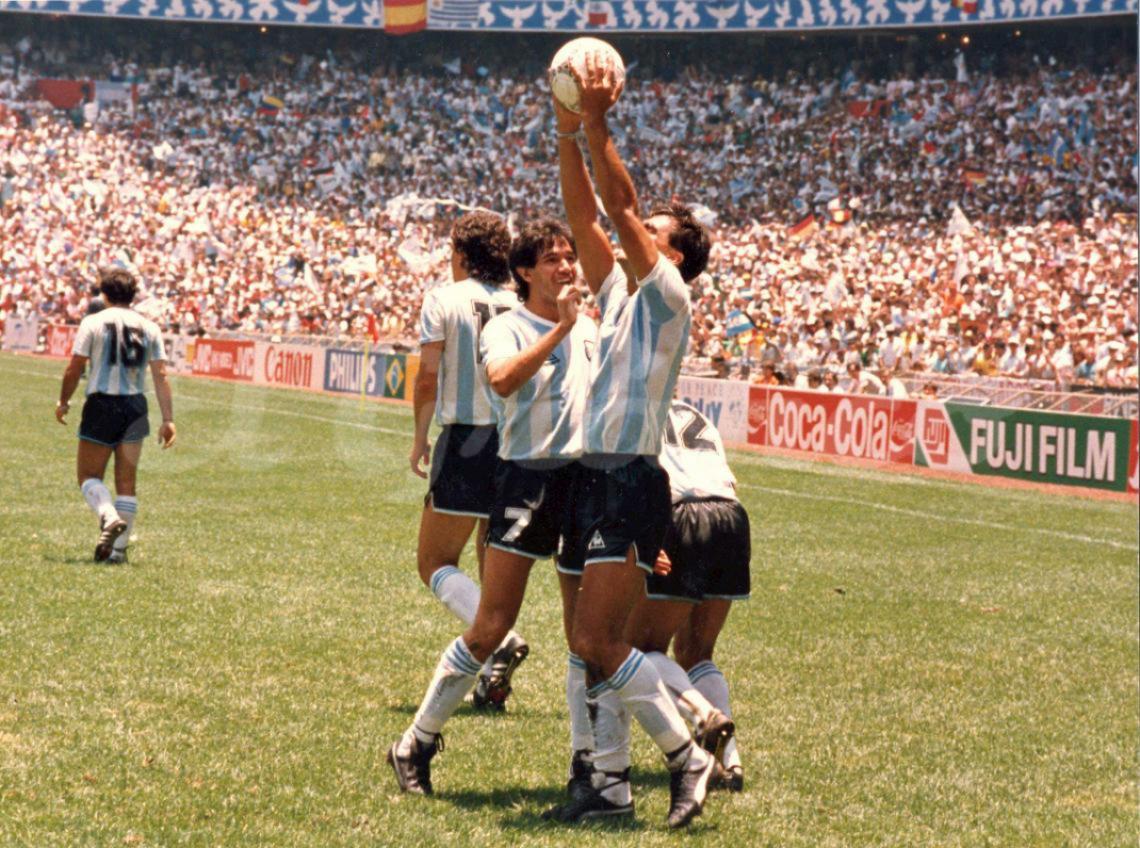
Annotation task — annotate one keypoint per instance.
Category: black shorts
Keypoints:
(531, 506)
(111, 420)
(710, 546)
(463, 470)
(620, 503)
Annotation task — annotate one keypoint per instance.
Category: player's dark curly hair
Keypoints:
(117, 285)
(485, 242)
(690, 238)
(529, 244)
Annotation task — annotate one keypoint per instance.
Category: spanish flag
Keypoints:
(404, 16)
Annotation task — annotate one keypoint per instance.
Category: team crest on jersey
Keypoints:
(597, 543)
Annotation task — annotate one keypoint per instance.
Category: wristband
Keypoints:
(575, 134)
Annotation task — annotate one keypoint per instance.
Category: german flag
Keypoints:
(805, 229)
(404, 16)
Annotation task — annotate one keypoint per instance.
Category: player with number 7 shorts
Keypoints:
(119, 344)
(536, 360)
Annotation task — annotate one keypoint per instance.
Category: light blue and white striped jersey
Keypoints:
(120, 344)
(456, 314)
(641, 341)
(543, 419)
(693, 454)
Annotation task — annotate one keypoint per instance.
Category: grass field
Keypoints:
(922, 663)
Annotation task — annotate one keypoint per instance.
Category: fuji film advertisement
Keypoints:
(1045, 447)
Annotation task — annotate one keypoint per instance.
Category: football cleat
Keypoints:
(491, 691)
(714, 732)
(117, 557)
(413, 772)
(107, 537)
(734, 779)
(592, 805)
(687, 791)
(581, 775)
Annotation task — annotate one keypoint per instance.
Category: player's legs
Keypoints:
(457, 669)
(581, 732)
(127, 457)
(694, 645)
(91, 465)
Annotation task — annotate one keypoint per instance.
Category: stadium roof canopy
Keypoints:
(643, 16)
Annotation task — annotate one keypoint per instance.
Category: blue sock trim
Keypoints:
(576, 661)
(440, 575)
(627, 670)
(703, 669)
(459, 658)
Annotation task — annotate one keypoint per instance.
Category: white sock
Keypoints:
(610, 722)
(454, 676)
(98, 497)
(690, 702)
(639, 686)
(709, 680)
(127, 506)
(581, 734)
(458, 593)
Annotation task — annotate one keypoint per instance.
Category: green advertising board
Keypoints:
(1044, 447)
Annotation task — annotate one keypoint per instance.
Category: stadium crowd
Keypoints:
(969, 213)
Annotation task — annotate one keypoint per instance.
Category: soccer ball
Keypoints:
(573, 55)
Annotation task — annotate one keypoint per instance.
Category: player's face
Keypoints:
(661, 227)
(554, 269)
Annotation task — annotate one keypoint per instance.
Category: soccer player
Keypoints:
(702, 569)
(622, 504)
(119, 343)
(451, 381)
(537, 362)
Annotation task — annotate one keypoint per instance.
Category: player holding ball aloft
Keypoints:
(621, 509)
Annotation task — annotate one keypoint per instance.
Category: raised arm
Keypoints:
(594, 251)
(599, 93)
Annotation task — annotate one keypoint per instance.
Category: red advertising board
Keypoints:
(59, 338)
(231, 360)
(860, 426)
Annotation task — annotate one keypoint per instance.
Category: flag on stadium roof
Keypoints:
(404, 16)
(599, 14)
(452, 13)
(968, 7)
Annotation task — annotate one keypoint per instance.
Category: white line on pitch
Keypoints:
(291, 414)
(933, 516)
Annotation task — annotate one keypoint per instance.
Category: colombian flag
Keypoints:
(404, 16)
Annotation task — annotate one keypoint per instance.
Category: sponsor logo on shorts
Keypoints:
(597, 543)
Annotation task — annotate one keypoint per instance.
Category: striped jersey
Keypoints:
(119, 343)
(456, 314)
(693, 454)
(543, 419)
(641, 341)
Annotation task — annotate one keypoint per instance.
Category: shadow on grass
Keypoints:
(465, 709)
(526, 805)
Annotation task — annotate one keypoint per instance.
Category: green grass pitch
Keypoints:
(922, 662)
